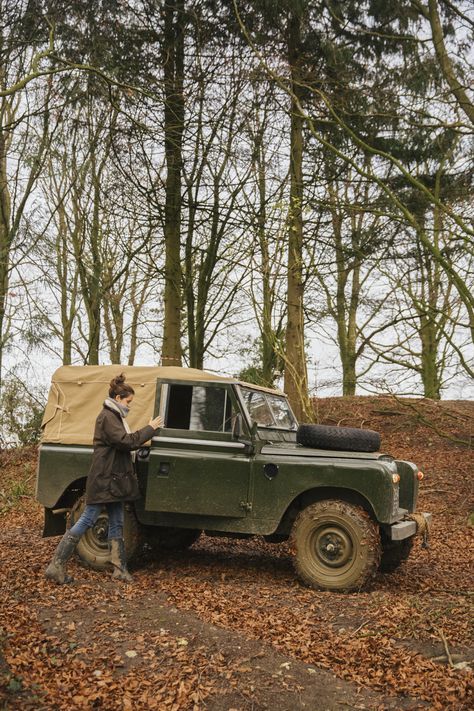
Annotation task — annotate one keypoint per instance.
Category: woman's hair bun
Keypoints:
(119, 387)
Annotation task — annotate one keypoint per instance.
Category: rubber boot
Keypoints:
(118, 560)
(55, 570)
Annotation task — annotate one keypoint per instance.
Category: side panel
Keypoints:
(58, 467)
(273, 488)
(198, 476)
(279, 479)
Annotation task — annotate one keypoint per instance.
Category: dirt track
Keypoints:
(226, 625)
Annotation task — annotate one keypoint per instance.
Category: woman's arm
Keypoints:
(116, 436)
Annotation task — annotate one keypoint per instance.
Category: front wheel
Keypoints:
(336, 545)
(93, 548)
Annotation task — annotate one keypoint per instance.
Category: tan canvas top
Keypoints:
(78, 391)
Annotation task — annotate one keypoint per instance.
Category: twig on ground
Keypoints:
(366, 622)
(446, 648)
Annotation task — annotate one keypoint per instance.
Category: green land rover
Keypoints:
(231, 460)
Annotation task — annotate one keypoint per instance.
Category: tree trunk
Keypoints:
(296, 379)
(5, 240)
(429, 357)
(173, 65)
(432, 322)
(94, 301)
(269, 337)
(447, 67)
(67, 309)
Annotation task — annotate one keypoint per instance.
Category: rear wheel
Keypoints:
(93, 548)
(336, 545)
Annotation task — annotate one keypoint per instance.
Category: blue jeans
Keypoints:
(92, 512)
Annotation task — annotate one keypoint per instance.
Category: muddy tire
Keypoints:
(92, 549)
(336, 546)
(168, 538)
(348, 439)
(394, 553)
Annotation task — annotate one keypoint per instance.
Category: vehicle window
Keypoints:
(281, 412)
(268, 410)
(199, 407)
(258, 407)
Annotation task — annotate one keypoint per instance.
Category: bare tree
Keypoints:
(26, 131)
(266, 211)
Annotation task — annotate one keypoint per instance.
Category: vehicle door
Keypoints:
(196, 466)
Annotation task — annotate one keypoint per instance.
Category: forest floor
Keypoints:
(226, 626)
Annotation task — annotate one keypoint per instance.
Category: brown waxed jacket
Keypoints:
(112, 454)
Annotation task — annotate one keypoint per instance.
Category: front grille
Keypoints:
(395, 501)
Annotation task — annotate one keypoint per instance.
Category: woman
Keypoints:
(110, 482)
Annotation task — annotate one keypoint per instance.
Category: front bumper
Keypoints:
(406, 529)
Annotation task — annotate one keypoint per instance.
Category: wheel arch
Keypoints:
(55, 517)
(70, 494)
(321, 493)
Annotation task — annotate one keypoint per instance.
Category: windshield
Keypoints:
(269, 410)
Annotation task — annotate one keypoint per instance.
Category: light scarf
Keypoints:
(123, 411)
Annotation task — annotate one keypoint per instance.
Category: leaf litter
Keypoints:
(188, 633)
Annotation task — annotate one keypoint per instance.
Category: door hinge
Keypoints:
(246, 505)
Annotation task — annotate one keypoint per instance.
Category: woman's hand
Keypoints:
(156, 422)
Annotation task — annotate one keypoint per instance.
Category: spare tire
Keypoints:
(348, 439)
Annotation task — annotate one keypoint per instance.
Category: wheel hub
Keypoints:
(333, 547)
(101, 529)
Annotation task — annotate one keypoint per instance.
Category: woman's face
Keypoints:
(124, 400)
